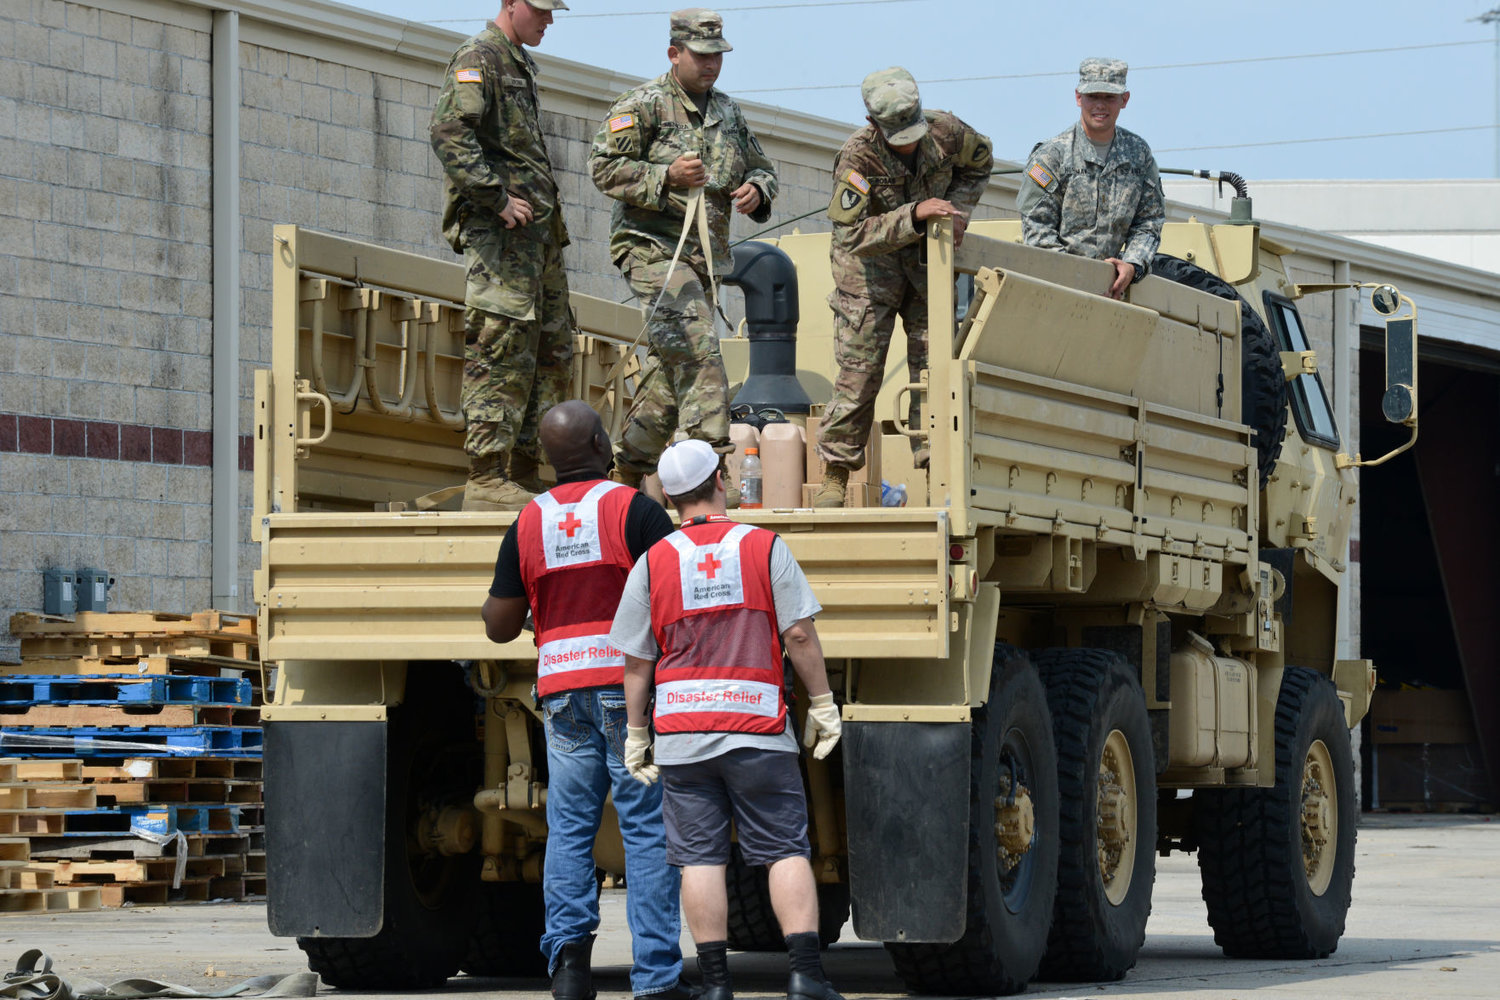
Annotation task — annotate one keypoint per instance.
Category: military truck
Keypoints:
(1103, 626)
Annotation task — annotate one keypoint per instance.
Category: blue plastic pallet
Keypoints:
(123, 689)
(154, 741)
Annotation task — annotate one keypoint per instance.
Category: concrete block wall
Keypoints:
(105, 304)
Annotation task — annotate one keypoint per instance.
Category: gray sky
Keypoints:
(1239, 95)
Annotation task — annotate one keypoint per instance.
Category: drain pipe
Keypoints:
(225, 516)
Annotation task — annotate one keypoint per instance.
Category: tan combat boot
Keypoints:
(525, 473)
(629, 477)
(487, 489)
(835, 486)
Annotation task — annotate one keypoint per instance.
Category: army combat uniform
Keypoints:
(1075, 199)
(683, 383)
(877, 273)
(518, 336)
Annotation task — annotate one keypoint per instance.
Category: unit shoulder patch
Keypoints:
(850, 195)
(1041, 175)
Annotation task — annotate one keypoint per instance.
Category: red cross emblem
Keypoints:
(570, 524)
(709, 565)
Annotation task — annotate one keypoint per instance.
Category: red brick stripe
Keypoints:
(113, 442)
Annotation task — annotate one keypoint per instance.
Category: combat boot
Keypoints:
(835, 486)
(487, 489)
(628, 477)
(804, 987)
(572, 977)
(525, 473)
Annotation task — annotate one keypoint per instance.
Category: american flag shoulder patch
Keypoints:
(619, 122)
(856, 179)
(468, 76)
(1040, 174)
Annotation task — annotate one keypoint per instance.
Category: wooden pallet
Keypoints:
(49, 900)
(209, 791)
(173, 768)
(134, 715)
(27, 624)
(130, 870)
(140, 666)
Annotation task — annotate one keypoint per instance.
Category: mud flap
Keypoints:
(906, 799)
(325, 828)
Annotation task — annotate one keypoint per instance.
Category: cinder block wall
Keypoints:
(105, 304)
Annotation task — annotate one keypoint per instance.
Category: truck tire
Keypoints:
(1010, 893)
(1278, 863)
(509, 918)
(1263, 391)
(752, 921)
(1106, 780)
(429, 900)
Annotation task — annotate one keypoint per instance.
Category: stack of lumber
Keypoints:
(135, 746)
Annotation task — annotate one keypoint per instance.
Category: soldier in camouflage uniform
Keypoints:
(501, 211)
(905, 167)
(658, 142)
(1094, 190)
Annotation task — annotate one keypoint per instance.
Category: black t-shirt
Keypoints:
(646, 523)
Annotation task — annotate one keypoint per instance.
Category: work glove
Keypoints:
(823, 725)
(637, 743)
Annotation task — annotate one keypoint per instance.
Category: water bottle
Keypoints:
(892, 496)
(750, 479)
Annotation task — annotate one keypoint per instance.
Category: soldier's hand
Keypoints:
(517, 212)
(746, 198)
(934, 208)
(1124, 275)
(824, 725)
(637, 742)
(687, 171)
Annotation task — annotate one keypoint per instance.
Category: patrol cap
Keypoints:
(699, 29)
(893, 103)
(547, 4)
(1102, 76)
(685, 466)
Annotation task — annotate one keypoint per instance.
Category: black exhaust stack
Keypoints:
(769, 281)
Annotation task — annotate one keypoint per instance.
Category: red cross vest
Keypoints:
(714, 617)
(574, 561)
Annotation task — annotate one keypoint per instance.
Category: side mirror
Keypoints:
(1399, 404)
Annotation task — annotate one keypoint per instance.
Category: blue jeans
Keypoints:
(585, 759)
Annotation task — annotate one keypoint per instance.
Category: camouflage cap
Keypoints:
(699, 29)
(1102, 76)
(547, 4)
(894, 105)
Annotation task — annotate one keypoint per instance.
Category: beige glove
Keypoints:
(637, 742)
(823, 725)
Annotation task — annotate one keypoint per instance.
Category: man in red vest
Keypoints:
(719, 602)
(566, 558)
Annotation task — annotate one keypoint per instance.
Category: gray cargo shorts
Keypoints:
(761, 790)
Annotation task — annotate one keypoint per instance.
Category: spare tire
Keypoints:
(1263, 392)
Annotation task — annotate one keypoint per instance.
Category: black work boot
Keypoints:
(684, 990)
(800, 986)
(572, 977)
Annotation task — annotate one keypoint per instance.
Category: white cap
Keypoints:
(685, 466)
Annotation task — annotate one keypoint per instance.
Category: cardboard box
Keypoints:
(1429, 716)
(1429, 775)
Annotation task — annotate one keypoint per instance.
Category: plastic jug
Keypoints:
(783, 456)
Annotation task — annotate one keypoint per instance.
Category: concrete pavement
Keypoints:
(1425, 924)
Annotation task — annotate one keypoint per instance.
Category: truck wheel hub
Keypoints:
(1320, 819)
(1116, 821)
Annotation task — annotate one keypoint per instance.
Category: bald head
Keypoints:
(573, 437)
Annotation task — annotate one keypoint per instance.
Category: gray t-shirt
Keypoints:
(631, 632)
